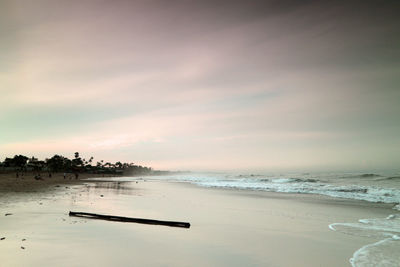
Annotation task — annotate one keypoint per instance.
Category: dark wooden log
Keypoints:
(127, 219)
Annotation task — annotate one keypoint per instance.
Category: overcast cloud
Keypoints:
(207, 85)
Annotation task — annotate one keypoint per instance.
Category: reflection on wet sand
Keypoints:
(119, 188)
(229, 228)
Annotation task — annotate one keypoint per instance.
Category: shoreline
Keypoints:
(329, 200)
(230, 227)
(309, 197)
(27, 184)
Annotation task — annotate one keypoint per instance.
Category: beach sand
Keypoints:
(228, 227)
(25, 182)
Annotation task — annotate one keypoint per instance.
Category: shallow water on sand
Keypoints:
(386, 251)
(39, 231)
(370, 187)
(229, 228)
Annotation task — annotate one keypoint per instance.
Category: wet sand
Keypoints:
(10, 183)
(229, 227)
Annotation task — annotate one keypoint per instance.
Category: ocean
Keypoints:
(369, 187)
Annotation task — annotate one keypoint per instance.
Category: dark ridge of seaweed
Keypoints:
(296, 180)
(353, 190)
(366, 175)
(311, 180)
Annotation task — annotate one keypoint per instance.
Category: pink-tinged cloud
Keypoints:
(199, 84)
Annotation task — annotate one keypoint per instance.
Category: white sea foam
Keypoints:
(385, 252)
(310, 186)
(358, 186)
(367, 187)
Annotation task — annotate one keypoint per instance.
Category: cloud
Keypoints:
(227, 81)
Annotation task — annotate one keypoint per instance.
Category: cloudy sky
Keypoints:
(203, 85)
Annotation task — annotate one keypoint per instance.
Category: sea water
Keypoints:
(370, 187)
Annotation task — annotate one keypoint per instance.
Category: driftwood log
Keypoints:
(127, 219)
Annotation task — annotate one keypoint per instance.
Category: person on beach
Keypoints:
(76, 175)
(65, 175)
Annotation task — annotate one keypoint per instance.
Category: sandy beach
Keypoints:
(26, 182)
(228, 227)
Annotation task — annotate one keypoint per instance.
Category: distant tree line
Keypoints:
(59, 163)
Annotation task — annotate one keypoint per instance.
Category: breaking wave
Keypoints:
(333, 186)
(381, 253)
(392, 178)
(364, 175)
(368, 187)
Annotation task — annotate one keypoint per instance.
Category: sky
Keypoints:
(203, 85)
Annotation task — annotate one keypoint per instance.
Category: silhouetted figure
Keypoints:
(76, 175)
(49, 174)
(65, 175)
